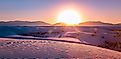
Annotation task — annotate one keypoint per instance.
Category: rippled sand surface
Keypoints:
(11, 48)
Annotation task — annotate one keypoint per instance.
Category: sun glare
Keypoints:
(69, 17)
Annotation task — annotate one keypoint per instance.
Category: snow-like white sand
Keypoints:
(12, 48)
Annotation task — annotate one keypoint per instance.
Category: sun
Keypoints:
(69, 17)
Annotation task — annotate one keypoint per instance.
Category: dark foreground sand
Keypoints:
(11, 48)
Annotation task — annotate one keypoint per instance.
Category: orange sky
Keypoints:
(47, 11)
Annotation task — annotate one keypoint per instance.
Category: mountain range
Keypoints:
(41, 23)
(95, 23)
(24, 23)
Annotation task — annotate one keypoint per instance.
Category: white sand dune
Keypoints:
(11, 48)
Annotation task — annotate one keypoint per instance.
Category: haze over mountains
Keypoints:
(41, 23)
(24, 23)
(95, 23)
(90, 23)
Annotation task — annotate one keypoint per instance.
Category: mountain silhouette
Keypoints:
(60, 24)
(24, 23)
(41, 23)
(94, 23)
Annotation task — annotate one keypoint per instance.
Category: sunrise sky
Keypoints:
(48, 10)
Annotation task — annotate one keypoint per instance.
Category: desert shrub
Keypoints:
(113, 45)
(93, 35)
(103, 37)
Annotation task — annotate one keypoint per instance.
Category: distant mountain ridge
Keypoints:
(24, 23)
(41, 23)
(95, 23)
(88, 23)
(118, 24)
(59, 24)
